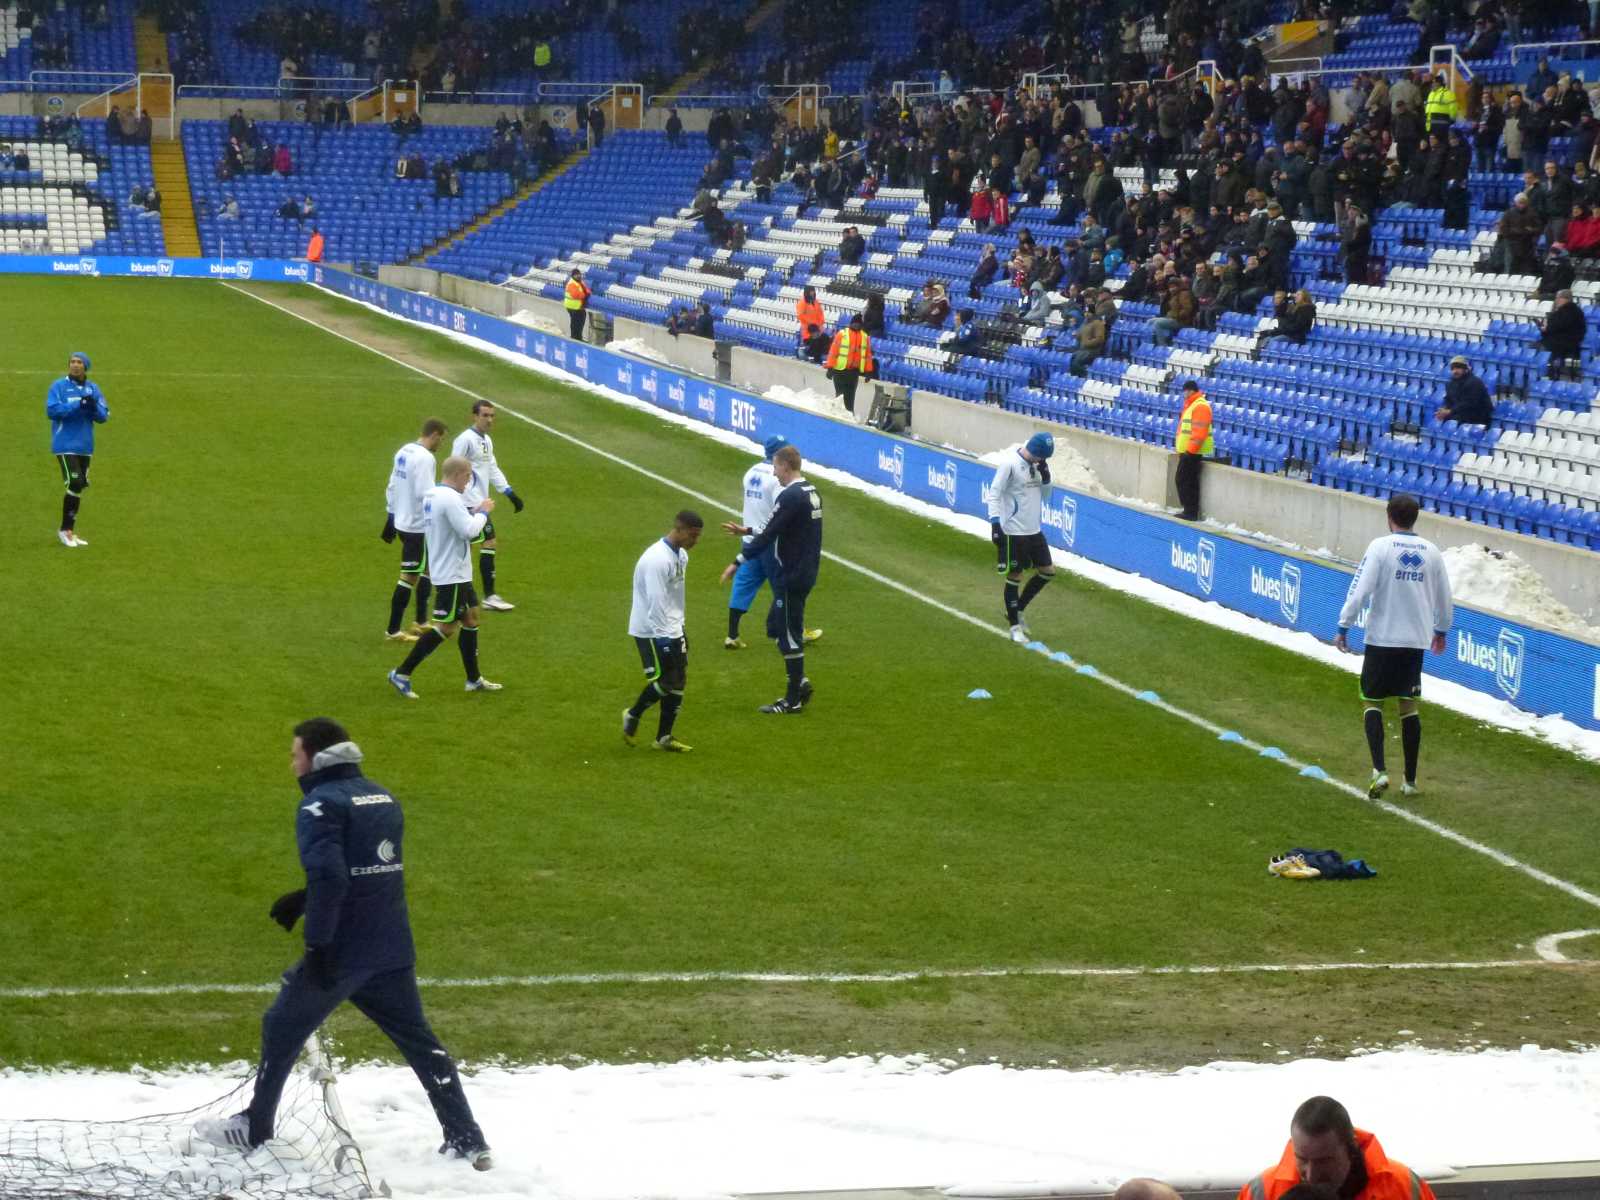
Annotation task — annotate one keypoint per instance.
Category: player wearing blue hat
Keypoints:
(1016, 505)
(75, 406)
(761, 488)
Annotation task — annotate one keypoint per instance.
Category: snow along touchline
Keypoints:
(1461, 839)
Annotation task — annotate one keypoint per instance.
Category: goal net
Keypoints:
(156, 1157)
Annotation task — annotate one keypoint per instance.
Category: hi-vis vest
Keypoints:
(851, 351)
(1441, 103)
(541, 54)
(1194, 427)
(577, 293)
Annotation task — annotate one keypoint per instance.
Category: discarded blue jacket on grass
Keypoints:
(1333, 866)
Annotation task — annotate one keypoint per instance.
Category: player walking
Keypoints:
(794, 533)
(761, 490)
(358, 944)
(75, 406)
(409, 481)
(656, 624)
(451, 526)
(1404, 578)
(476, 446)
(1016, 505)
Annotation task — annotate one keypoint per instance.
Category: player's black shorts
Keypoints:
(413, 553)
(74, 471)
(487, 535)
(786, 620)
(1023, 552)
(666, 661)
(451, 601)
(1391, 671)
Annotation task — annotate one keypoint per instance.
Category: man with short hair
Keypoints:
(450, 528)
(358, 945)
(1466, 399)
(794, 533)
(1402, 576)
(476, 446)
(852, 246)
(1326, 1149)
(1194, 445)
(409, 480)
(75, 406)
(1016, 508)
(656, 624)
(760, 487)
(849, 361)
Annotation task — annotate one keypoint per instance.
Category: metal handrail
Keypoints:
(735, 97)
(1272, 67)
(222, 91)
(1546, 46)
(34, 80)
(459, 97)
(567, 88)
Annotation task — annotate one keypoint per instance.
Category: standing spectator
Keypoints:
(1355, 243)
(1559, 273)
(282, 163)
(576, 302)
(1511, 131)
(314, 247)
(1194, 445)
(810, 317)
(674, 128)
(999, 209)
(852, 246)
(849, 361)
(1466, 399)
(1487, 133)
(1563, 331)
(1326, 1148)
(1552, 200)
(1519, 229)
(597, 127)
(1442, 108)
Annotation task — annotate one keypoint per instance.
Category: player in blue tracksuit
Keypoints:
(75, 406)
(358, 944)
(794, 535)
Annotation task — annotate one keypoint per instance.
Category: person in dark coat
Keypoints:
(1559, 273)
(1466, 400)
(1565, 328)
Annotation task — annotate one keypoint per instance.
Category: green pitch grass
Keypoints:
(235, 584)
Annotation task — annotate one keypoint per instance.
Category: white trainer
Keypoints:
(64, 536)
(230, 1134)
(1019, 634)
(481, 684)
(498, 603)
(76, 540)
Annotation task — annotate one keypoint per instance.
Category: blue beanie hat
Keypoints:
(82, 355)
(775, 443)
(1041, 445)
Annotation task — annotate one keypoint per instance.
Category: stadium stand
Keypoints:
(95, 37)
(75, 196)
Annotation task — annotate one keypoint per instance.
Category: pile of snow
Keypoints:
(1068, 467)
(534, 320)
(827, 404)
(1503, 583)
(720, 1127)
(639, 348)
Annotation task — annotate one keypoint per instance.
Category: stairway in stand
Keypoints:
(505, 206)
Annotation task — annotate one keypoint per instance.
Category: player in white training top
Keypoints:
(1016, 505)
(451, 527)
(656, 624)
(476, 446)
(410, 477)
(1403, 577)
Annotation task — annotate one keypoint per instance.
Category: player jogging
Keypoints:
(451, 526)
(1403, 577)
(1016, 503)
(409, 481)
(75, 406)
(358, 944)
(656, 624)
(476, 446)
(794, 533)
(761, 490)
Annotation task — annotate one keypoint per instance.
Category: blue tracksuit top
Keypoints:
(71, 424)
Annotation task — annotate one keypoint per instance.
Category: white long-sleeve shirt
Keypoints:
(1403, 576)
(478, 449)
(409, 481)
(761, 488)
(658, 591)
(1017, 495)
(451, 526)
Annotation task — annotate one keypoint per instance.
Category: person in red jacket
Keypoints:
(980, 210)
(1326, 1148)
(1583, 232)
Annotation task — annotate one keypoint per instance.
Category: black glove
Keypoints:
(516, 501)
(87, 404)
(996, 535)
(320, 971)
(1044, 472)
(289, 908)
(388, 528)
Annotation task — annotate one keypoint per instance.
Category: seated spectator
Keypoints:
(152, 202)
(696, 322)
(1036, 308)
(1558, 273)
(7, 159)
(282, 163)
(1326, 1150)
(1052, 271)
(1583, 232)
(289, 210)
(229, 210)
(1466, 400)
(815, 342)
(872, 319)
(1177, 312)
(932, 307)
(988, 269)
(965, 339)
(808, 313)
(1091, 342)
(1564, 328)
(20, 160)
(1295, 315)
(716, 224)
(737, 233)
(852, 246)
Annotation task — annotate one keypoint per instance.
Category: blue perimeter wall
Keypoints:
(1540, 672)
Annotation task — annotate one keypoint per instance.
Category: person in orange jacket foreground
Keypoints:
(1326, 1148)
(314, 247)
(576, 302)
(849, 361)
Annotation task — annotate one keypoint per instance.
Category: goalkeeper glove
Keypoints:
(516, 500)
(289, 908)
(388, 529)
(1044, 472)
(996, 535)
(87, 404)
(320, 970)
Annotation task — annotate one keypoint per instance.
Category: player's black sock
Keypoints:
(796, 667)
(1013, 603)
(397, 605)
(1411, 743)
(426, 645)
(1374, 723)
(646, 698)
(424, 590)
(486, 565)
(670, 704)
(1034, 587)
(734, 616)
(69, 511)
(469, 651)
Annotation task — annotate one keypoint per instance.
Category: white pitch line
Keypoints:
(825, 977)
(1443, 831)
